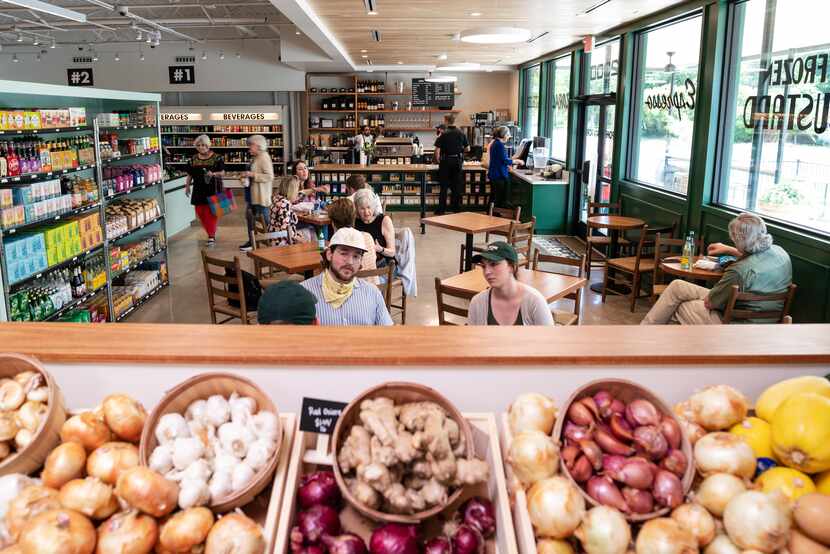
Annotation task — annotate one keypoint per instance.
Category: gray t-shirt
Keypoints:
(534, 308)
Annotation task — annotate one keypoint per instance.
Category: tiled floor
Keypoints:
(437, 253)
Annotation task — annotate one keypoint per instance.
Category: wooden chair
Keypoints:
(398, 302)
(603, 241)
(514, 214)
(731, 313)
(262, 239)
(520, 237)
(218, 286)
(666, 247)
(454, 309)
(385, 287)
(634, 266)
(668, 231)
(561, 317)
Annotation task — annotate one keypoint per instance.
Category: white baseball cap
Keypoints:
(348, 236)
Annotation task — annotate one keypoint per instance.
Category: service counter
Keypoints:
(546, 199)
(180, 214)
(479, 369)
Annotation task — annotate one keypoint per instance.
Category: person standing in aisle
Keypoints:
(203, 173)
(260, 185)
(449, 154)
(498, 168)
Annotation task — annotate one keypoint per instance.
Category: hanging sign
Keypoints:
(173, 116)
(79, 77)
(245, 116)
(182, 74)
(437, 95)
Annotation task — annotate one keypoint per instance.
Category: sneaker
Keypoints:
(211, 242)
(246, 247)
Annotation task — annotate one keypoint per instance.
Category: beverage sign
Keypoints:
(182, 74)
(245, 116)
(437, 95)
(80, 77)
(320, 416)
(172, 116)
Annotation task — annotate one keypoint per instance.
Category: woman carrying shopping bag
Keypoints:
(204, 172)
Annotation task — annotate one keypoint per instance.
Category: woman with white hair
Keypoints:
(761, 268)
(261, 182)
(370, 219)
(204, 173)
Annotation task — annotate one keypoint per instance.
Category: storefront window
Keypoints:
(776, 153)
(560, 77)
(604, 68)
(666, 82)
(530, 128)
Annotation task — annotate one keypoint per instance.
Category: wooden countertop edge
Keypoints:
(418, 346)
(535, 181)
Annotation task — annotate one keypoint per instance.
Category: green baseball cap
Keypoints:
(287, 302)
(496, 252)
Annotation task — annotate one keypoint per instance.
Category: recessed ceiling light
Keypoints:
(298, 33)
(363, 51)
(15, 59)
(442, 56)
(54, 44)
(400, 62)
(495, 35)
(117, 57)
(141, 57)
(458, 66)
(475, 14)
(364, 56)
(221, 55)
(204, 55)
(440, 78)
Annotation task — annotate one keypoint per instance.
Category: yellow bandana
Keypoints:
(335, 292)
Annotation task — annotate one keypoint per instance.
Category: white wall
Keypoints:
(256, 70)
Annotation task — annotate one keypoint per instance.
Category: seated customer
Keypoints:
(282, 218)
(342, 214)
(762, 268)
(353, 184)
(370, 219)
(286, 303)
(507, 301)
(343, 299)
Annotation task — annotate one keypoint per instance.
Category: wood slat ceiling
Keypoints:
(416, 32)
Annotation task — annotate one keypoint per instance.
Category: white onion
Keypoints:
(696, 519)
(31, 501)
(758, 520)
(235, 533)
(724, 453)
(58, 531)
(722, 545)
(554, 546)
(718, 407)
(715, 492)
(665, 536)
(604, 530)
(108, 461)
(556, 507)
(533, 456)
(531, 411)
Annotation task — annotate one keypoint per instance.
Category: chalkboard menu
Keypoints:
(434, 95)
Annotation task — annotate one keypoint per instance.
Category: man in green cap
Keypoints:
(287, 303)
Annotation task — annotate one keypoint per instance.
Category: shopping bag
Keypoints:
(222, 203)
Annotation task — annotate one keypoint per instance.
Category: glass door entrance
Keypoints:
(597, 153)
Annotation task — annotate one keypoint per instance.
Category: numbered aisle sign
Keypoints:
(79, 77)
(182, 74)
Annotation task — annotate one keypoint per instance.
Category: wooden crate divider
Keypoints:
(525, 535)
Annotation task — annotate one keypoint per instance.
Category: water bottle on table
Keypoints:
(688, 255)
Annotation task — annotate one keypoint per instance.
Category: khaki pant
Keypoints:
(682, 303)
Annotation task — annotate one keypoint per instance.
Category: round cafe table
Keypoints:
(672, 267)
(615, 224)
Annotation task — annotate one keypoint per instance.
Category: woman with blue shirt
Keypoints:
(498, 168)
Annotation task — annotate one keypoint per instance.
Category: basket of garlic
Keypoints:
(31, 414)
(217, 435)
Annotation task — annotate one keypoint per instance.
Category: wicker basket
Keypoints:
(625, 391)
(200, 387)
(400, 393)
(47, 437)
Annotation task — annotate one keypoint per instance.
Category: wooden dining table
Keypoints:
(301, 258)
(672, 266)
(468, 223)
(553, 286)
(615, 225)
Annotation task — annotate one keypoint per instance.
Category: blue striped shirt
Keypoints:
(364, 307)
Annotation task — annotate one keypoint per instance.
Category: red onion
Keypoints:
(651, 441)
(580, 414)
(318, 521)
(610, 444)
(576, 432)
(313, 549)
(438, 545)
(467, 540)
(581, 470)
(620, 428)
(347, 543)
(593, 452)
(671, 430)
(478, 512)
(394, 538)
(569, 455)
(617, 407)
(296, 538)
(603, 401)
(603, 490)
(642, 412)
(667, 489)
(640, 502)
(675, 461)
(319, 488)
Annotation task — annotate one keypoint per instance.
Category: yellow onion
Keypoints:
(665, 536)
(531, 411)
(555, 507)
(8, 426)
(31, 501)
(811, 515)
(722, 545)
(91, 497)
(715, 492)
(533, 456)
(87, 429)
(13, 549)
(604, 530)
(12, 395)
(31, 414)
(64, 463)
(111, 458)
(125, 416)
(235, 533)
(799, 543)
(724, 453)
(758, 520)
(696, 519)
(148, 491)
(719, 407)
(5, 450)
(58, 532)
(23, 438)
(186, 530)
(691, 430)
(127, 533)
(550, 546)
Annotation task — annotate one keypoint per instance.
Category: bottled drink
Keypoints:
(4, 167)
(321, 239)
(688, 254)
(12, 160)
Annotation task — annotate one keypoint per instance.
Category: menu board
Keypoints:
(435, 95)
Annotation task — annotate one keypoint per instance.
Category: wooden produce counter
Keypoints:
(544, 198)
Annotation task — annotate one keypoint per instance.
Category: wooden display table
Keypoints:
(552, 285)
(301, 258)
(469, 223)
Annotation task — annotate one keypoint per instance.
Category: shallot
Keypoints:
(555, 507)
(639, 501)
(696, 519)
(671, 430)
(758, 520)
(611, 444)
(642, 412)
(604, 491)
(575, 432)
(581, 470)
(621, 428)
(651, 441)
(607, 404)
(531, 412)
(675, 461)
(604, 530)
(667, 489)
(635, 472)
(665, 536)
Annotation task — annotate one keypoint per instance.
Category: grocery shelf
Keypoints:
(136, 229)
(130, 191)
(181, 147)
(61, 265)
(141, 301)
(65, 215)
(46, 131)
(77, 302)
(130, 156)
(332, 129)
(221, 133)
(408, 111)
(126, 127)
(133, 266)
(37, 177)
(331, 111)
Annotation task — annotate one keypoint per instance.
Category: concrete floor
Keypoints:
(437, 253)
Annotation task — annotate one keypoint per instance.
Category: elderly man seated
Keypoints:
(761, 268)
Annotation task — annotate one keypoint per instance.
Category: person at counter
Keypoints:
(342, 298)
(761, 268)
(260, 183)
(498, 168)
(204, 173)
(287, 303)
(308, 188)
(363, 139)
(370, 219)
(449, 155)
(507, 301)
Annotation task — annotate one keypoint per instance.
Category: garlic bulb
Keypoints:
(196, 411)
(11, 395)
(242, 408)
(259, 453)
(161, 460)
(242, 476)
(218, 410)
(197, 471)
(265, 425)
(235, 438)
(224, 461)
(171, 427)
(186, 451)
(10, 487)
(203, 431)
(40, 394)
(220, 485)
(192, 493)
(23, 438)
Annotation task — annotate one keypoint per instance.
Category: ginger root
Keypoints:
(356, 451)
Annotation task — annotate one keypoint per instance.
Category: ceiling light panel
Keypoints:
(50, 9)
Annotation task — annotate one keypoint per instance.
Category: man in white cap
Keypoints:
(342, 299)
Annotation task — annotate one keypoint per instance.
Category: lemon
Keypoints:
(790, 481)
(757, 433)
